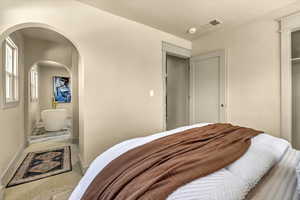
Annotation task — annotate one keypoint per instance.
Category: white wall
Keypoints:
(12, 119)
(253, 67)
(121, 62)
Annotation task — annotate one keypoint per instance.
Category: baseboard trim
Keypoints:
(12, 167)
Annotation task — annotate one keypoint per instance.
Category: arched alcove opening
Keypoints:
(50, 86)
(74, 75)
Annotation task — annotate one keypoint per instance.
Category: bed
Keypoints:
(266, 171)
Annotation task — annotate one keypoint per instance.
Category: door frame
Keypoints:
(222, 84)
(288, 24)
(173, 50)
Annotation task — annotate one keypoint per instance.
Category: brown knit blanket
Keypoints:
(156, 169)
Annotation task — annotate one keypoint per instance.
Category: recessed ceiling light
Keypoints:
(192, 30)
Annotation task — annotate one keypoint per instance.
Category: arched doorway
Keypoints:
(45, 47)
(25, 77)
(51, 87)
(46, 27)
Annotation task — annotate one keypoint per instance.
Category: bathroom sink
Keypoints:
(54, 119)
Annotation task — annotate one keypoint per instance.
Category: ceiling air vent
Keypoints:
(214, 22)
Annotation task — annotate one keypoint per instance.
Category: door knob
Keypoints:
(222, 105)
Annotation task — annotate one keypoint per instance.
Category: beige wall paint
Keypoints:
(12, 119)
(253, 68)
(121, 62)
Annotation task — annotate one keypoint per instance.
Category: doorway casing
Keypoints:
(173, 50)
(288, 25)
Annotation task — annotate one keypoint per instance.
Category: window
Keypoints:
(34, 84)
(11, 80)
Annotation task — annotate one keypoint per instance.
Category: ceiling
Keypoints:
(44, 34)
(176, 16)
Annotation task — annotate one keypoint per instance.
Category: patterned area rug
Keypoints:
(42, 164)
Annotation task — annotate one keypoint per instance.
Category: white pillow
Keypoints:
(277, 145)
(264, 152)
(253, 165)
(219, 185)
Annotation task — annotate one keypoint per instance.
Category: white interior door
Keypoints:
(208, 86)
(296, 105)
(177, 93)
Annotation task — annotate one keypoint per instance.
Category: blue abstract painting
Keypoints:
(62, 92)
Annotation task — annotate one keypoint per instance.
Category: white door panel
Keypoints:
(207, 90)
(208, 83)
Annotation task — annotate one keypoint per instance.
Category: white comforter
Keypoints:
(230, 183)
